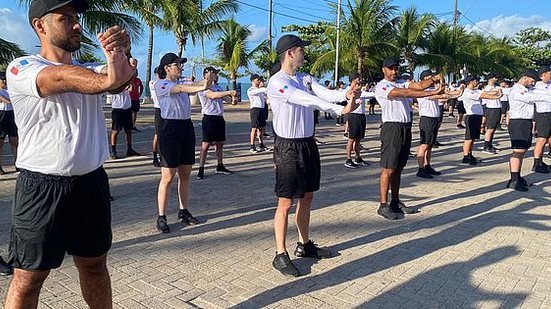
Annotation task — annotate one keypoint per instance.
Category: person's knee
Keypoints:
(29, 281)
(96, 266)
(518, 153)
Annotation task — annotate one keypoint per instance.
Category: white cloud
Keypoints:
(258, 33)
(502, 26)
(15, 28)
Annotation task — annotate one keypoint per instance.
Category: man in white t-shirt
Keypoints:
(157, 120)
(7, 122)
(296, 155)
(213, 123)
(121, 119)
(395, 99)
(61, 204)
(542, 117)
(356, 123)
(492, 113)
(257, 99)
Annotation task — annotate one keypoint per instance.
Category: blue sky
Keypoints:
(500, 18)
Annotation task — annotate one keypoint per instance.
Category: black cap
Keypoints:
(171, 58)
(255, 76)
(156, 70)
(543, 69)
(354, 76)
(210, 69)
(426, 73)
(289, 41)
(3, 75)
(405, 76)
(491, 75)
(39, 8)
(389, 62)
(531, 73)
(470, 78)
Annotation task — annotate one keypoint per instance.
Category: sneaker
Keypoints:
(5, 269)
(253, 149)
(338, 124)
(473, 160)
(401, 208)
(422, 173)
(361, 162)
(186, 217)
(466, 160)
(460, 126)
(517, 185)
(113, 155)
(438, 144)
(310, 249)
(266, 135)
(345, 135)
(489, 150)
(162, 226)
(2, 172)
(264, 148)
(387, 212)
(201, 173)
(350, 164)
(283, 263)
(156, 162)
(432, 171)
(132, 153)
(451, 116)
(542, 169)
(221, 169)
(523, 181)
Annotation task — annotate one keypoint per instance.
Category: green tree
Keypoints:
(412, 32)
(232, 49)
(534, 45)
(9, 51)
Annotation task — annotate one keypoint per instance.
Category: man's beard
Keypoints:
(66, 44)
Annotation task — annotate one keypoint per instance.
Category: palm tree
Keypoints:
(232, 49)
(368, 31)
(188, 18)
(325, 62)
(264, 57)
(9, 51)
(412, 31)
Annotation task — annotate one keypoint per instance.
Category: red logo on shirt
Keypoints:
(14, 70)
(283, 90)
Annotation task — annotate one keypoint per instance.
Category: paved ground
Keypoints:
(474, 243)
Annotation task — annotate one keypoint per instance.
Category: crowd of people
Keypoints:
(62, 202)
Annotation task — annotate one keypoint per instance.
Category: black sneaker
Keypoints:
(264, 148)
(2, 172)
(387, 213)
(473, 160)
(489, 150)
(361, 162)
(200, 175)
(113, 155)
(283, 263)
(523, 181)
(221, 169)
(542, 169)
(466, 160)
(156, 162)
(432, 171)
(162, 225)
(438, 144)
(345, 135)
(350, 164)
(451, 116)
(5, 269)
(253, 149)
(186, 217)
(423, 174)
(517, 185)
(310, 249)
(401, 208)
(460, 126)
(132, 153)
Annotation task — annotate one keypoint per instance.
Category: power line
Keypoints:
(280, 14)
(474, 24)
(292, 9)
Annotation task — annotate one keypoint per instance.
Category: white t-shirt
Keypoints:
(543, 106)
(4, 106)
(471, 101)
(213, 107)
(294, 119)
(505, 91)
(173, 106)
(121, 100)
(394, 110)
(522, 100)
(491, 103)
(153, 94)
(63, 134)
(257, 96)
(428, 107)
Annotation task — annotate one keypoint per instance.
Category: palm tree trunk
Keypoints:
(147, 95)
(360, 63)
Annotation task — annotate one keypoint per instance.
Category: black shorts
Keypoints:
(265, 113)
(473, 123)
(452, 103)
(298, 167)
(461, 108)
(7, 124)
(543, 124)
(135, 106)
(504, 107)
(158, 120)
(121, 119)
(316, 116)
(395, 144)
(493, 118)
(441, 115)
(428, 130)
(356, 125)
(214, 128)
(54, 215)
(520, 133)
(257, 118)
(176, 143)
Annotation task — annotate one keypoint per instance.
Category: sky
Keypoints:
(491, 17)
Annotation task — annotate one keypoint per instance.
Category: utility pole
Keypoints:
(455, 15)
(338, 43)
(270, 17)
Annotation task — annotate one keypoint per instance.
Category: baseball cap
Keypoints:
(392, 61)
(353, 76)
(39, 8)
(210, 69)
(543, 69)
(491, 75)
(426, 73)
(470, 78)
(171, 58)
(255, 76)
(289, 41)
(532, 73)
(3, 75)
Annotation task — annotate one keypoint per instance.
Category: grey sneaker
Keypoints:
(283, 263)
